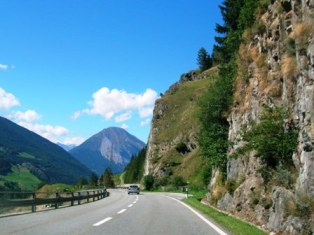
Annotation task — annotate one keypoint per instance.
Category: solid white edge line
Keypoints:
(120, 212)
(201, 217)
(102, 221)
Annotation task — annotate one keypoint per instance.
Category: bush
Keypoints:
(302, 206)
(282, 177)
(274, 139)
(149, 182)
(231, 186)
(178, 181)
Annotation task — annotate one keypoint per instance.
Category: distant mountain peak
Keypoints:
(67, 147)
(112, 147)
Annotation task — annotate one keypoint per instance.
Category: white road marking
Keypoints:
(130, 205)
(120, 212)
(218, 230)
(103, 221)
(134, 202)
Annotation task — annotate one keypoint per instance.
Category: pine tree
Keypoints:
(106, 179)
(204, 60)
(93, 180)
(230, 35)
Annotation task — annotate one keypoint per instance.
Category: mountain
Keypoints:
(23, 151)
(112, 147)
(67, 147)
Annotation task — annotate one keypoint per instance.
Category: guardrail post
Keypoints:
(98, 194)
(72, 199)
(93, 195)
(79, 198)
(87, 196)
(57, 200)
(34, 203)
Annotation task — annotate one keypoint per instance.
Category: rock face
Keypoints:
(112, 147)
(172, 145)
(279, 64)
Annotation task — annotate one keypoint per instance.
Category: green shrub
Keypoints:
(290, 46)
(149, 182)
(273, 138)
(282, 177)
(231, 186)
(178, 181)
(302, 206)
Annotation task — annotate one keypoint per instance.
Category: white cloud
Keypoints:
(145, 122)
(123, 117)
(27, 116)
(74, 140)
(108, 103)
(7, 100)
(3, 67)
(76, 115)
(145, 112)
(47, 131)
(124, 126)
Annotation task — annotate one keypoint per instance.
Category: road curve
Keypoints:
(119, 214)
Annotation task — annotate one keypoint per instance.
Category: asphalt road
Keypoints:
(118, 214)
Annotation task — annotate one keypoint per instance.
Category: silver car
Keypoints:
(133, 189)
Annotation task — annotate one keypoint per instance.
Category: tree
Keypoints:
(213, 139)
(237, 15)
(204, 60)
(81, 182)
(149, 182)
(106, 179)
(93, 179)
(135, 168)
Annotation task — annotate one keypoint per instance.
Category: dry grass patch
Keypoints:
(289, 66)
(303, 32)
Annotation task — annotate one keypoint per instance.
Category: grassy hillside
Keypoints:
(176, 124)
(26, 159)
(181, 113)
(22, 177)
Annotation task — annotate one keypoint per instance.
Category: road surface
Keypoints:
(118, 214)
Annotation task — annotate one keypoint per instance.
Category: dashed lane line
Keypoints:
(120, 212)
(103, 221)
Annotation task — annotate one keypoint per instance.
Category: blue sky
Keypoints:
(70, 68)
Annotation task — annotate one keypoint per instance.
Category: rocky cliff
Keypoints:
(173, 148)
(276, 68)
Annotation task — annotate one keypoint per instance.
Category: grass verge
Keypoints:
(236, 226)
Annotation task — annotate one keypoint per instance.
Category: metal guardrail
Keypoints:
(33, 200)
